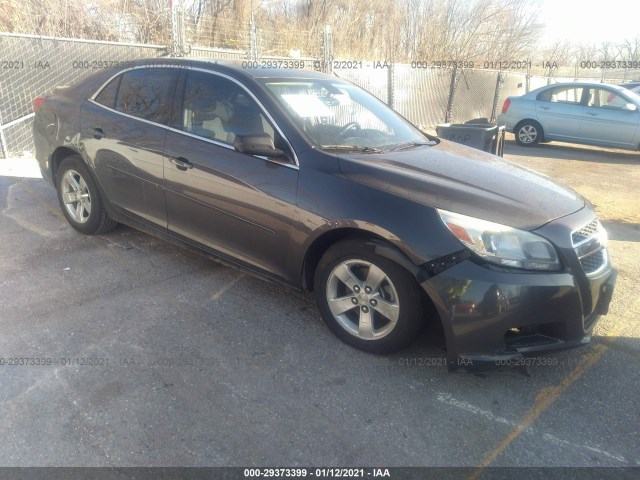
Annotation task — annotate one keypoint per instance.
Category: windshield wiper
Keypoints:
(404, 146)
(350, 148)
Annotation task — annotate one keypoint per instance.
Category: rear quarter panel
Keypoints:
(57, 122)
(55, 125)
(521, 108)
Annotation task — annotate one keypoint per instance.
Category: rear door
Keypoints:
(606, 120)
(123, 129)
(237, 204)
(560, 111)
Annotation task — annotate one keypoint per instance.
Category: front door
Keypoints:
(238, 204)
(607, 121)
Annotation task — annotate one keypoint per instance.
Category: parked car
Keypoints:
(632, 86)
(308, 180)
(583, 112)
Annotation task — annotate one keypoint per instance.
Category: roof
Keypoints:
(576, 84)
(583, 83)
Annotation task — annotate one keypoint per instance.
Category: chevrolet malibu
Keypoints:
(582, 112)
(310, 181)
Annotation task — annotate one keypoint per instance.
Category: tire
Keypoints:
(80, 199)
(397, 295)
(528, 133)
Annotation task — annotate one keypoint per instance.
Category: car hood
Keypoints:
(465, 180)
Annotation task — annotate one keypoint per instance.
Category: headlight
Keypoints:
(500, 244)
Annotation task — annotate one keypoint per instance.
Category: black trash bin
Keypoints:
(483, 136)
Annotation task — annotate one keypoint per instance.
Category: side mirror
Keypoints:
(631, 107)
(257, 144)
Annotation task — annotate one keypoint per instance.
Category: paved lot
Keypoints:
(200, 364)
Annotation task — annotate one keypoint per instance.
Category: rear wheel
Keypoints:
(368, 301)
(528, 133)
(79, 198)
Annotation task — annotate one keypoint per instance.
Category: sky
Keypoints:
(590, 21)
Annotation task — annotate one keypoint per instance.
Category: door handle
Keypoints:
(545, 108)
(98, 133)
(593, 114)
(181, 163)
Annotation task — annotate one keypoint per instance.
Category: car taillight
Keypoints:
(37, 102)
(505, 105)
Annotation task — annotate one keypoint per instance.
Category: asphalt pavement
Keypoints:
(123, 350)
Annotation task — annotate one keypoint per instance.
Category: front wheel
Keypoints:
(368, 301)
(79, 198)
(528, 133)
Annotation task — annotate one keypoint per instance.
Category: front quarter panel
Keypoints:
(328, 201)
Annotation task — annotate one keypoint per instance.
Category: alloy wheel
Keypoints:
(362, 299)
(76, 196)
(528, 134)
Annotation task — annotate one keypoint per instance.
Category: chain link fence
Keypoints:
(421, 95)
(374, 80)
(426, 96)
(35, 65)
(473, 89)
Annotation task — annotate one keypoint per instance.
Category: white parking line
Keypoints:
(232, 282)
(450, 400)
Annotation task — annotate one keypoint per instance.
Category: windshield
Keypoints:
(634, 94)
(336, 115)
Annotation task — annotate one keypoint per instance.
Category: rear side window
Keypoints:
(570, 95)
(147, 93)
(108, 94)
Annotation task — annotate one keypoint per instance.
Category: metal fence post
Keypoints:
(496, 96)
(3, 141)
(391, 84)
(327, 49)
(452, 91)
(3, 144)
(253, 41)
(178, 47)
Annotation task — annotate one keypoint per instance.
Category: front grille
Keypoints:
(588, 231)
(590, 242)
(594, 261)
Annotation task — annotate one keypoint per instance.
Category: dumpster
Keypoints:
(483, 136)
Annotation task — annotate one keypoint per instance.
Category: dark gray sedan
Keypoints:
(308, 180)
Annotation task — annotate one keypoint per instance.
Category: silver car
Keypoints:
(582, 112)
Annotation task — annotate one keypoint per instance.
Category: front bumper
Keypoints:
(491, 316)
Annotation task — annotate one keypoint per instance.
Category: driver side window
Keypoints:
(603, 98)
(218, 109)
